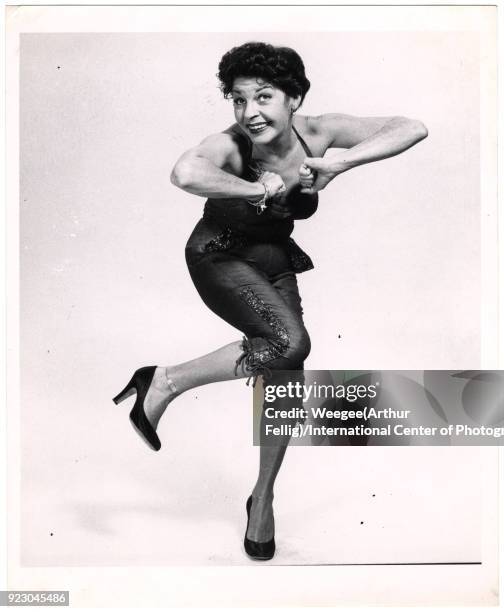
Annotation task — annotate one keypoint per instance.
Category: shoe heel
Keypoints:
(128, 390)
(139, 384)
(258, 551)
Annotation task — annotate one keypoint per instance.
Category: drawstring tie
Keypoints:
(246, 362)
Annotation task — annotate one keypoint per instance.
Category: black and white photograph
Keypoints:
(198, 204)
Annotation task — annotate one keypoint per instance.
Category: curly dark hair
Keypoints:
(280, 66)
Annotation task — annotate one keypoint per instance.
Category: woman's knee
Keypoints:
(299, 347)
(291, 352)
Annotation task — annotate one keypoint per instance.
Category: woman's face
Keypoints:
(262, 110)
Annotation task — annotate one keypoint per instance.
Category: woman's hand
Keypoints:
(273, 182)
(306, 177)
(274, 186)
(316, 172)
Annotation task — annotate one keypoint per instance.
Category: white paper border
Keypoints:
(248, 586)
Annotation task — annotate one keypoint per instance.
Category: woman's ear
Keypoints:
(295, 103)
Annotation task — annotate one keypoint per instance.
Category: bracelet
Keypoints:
(261, 205)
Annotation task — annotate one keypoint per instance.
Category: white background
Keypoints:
(105, 290)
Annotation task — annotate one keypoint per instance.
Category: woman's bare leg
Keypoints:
(169, 382)
(262, 525)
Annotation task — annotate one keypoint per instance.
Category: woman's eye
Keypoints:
(238, 101)
(264, 97)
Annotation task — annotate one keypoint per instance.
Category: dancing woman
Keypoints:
(259, 175)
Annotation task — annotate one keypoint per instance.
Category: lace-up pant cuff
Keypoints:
(252, 361)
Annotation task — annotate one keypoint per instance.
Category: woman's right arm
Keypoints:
(207, 170)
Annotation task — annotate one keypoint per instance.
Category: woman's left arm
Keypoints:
(365, 140)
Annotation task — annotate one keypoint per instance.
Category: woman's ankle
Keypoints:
(170, 382)
(262, 496)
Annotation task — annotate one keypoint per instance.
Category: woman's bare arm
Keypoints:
(366, 139)
(201, 170)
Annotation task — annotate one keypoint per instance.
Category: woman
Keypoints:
(259, 175)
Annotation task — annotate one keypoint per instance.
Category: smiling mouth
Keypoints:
(257, 128)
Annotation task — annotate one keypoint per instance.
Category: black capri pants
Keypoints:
(252, 285)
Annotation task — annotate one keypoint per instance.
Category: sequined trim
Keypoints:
(245, 360)
(226, 240)
(255, 360)
(300, 261)
(230, 238)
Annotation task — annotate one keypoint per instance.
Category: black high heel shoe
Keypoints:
(140, 383)
(259, 551)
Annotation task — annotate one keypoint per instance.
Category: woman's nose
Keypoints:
(250, 110)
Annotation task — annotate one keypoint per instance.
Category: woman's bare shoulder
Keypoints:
(240, 146)
(235, 134)
(311, 129)
(308, 124)
(321, 125)
(228, 138)
(226, 149)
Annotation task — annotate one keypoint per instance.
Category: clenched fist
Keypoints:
(275, 186)
(316, 172)
(306, 176)
(273, 183)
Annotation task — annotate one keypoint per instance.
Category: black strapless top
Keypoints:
(238, 214)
